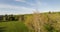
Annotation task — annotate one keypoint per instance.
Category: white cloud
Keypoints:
(9, 9)
(20, 0)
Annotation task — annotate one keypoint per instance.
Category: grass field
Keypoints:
(13, 26)
(26, 25)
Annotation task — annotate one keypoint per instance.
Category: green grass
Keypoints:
(14, 26)
(17, 26)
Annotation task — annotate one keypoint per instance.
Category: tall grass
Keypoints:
(33, 22)
(43, 22)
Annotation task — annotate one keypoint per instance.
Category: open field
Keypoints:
(48, 20)
(13, 26)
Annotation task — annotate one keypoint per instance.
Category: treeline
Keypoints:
(11, 18)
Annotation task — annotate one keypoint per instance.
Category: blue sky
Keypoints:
(28, 6)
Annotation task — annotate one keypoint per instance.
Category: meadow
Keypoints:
(48, 22)
(13, 26)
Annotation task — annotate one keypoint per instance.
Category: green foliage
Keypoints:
(49, 28)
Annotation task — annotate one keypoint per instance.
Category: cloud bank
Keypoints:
(9, 9)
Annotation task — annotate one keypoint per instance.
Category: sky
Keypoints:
(28, 6)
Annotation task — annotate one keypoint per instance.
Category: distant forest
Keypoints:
(11, 18)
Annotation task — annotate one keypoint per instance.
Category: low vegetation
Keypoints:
(13, 26)
(37, 22)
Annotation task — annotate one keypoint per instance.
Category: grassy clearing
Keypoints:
(14, 26)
